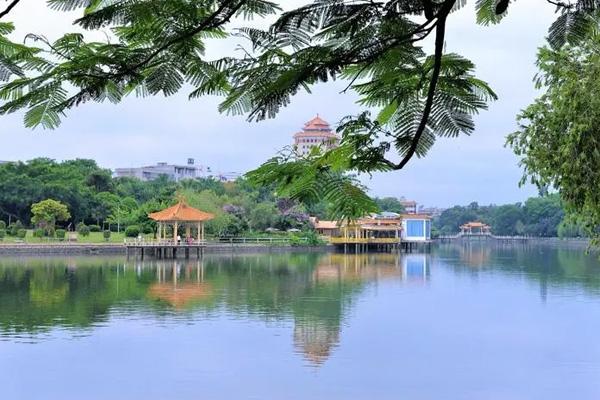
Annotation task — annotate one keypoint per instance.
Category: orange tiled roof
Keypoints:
(181, 212)
(475, 224)
(316, 123)
(316, 127)
(326, 225)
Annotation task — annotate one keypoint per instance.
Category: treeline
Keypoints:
(93, 197)
(538, 216)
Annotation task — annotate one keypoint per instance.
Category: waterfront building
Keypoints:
(326, 228)
(416, 227)
(382, 228)
(316, 133)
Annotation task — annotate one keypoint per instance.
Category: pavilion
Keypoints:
(180, 216)
(475, 228)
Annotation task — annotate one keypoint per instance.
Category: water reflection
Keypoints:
(366, 326)
(315, 292)
(549, 266)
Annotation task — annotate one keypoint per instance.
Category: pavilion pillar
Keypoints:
(202, 223)
(188, 232)
(199, 232)
(175, 231)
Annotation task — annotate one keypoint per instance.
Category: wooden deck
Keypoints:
(361, 245)
(172, 249)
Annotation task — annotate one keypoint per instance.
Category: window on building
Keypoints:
(415, 228)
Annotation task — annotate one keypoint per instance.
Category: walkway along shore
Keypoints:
(28, 249)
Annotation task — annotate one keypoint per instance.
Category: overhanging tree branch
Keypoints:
(440, 33)
(9, 8)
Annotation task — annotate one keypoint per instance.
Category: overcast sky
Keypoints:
(145, 131)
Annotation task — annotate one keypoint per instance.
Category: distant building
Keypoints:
(316, 133)
(410, 206)
(433, 211)
(226, 176)
(174, 172)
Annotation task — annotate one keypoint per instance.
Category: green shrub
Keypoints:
(312, 239)
(2, 234)
(94, 228)
(38, 233)
(2, 224)
(83, 229)
(132, 231)
(14, 228)
(60, 234)
(106, 234)
(49, 232)
(147, 229)
(21, 233)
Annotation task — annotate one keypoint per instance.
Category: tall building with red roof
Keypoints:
(316, 133)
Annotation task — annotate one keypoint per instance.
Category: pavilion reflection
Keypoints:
(315, 292)
(181, 293)
(475, 255)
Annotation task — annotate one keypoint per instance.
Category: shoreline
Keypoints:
(92, 249)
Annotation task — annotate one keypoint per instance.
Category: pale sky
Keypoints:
(145, 131)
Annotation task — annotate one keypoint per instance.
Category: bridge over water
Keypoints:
(483, 236)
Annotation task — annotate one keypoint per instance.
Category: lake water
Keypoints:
(460, 323)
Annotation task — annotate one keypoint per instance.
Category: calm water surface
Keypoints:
(459, 323)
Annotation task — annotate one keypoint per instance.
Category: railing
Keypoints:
(215, 241)
(161, 242)
(489, 235)
(352, 240)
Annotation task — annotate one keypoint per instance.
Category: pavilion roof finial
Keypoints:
(180, 197)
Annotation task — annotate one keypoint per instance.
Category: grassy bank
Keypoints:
(93, 237)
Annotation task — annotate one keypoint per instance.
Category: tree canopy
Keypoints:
(377, 46)
(559, 136)
(47, 212)
(538, 216)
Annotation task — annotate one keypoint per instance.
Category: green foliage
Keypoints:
(538, 216)
(558, 138)
(375, 45)
(60, 234)
(2, 234)
(132, 231)
(21, 233)
(106, 234)
(2, 224)
(14, 228)
(263, 216)
(311, 238)
(83, 229)
(47, 212)
(390, 204)
(94, 228)
(314, 179)
(39, 233)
